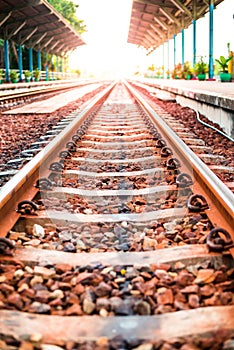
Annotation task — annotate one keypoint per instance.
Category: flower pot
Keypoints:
(225, 77)
(188, 77)
(201, 76)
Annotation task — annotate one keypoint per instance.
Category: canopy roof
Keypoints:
(36, 24)
(153, 22)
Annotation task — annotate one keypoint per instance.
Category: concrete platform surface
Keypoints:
(49, 105)
(215, 92)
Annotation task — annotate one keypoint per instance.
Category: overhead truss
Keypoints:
(154, 22)
(38, 25)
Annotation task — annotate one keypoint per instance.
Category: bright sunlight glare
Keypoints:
(106, 53)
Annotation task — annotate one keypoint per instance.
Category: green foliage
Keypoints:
(13, 75)
(67, 9)
(177, 71)
(201, 67)
(36, 73)
(78, 72)
(186, 70)
(27, 74)
(223, 63)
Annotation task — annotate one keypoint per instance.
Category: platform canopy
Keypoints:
(153, 22)
(36, 24)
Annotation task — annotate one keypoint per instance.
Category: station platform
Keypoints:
(14, 88)
(211, 92)
(214, 99)
(50, 105)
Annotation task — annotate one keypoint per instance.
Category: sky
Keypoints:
(108, 55)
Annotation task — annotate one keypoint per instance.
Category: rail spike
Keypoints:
(197, 203)
(216, 242)
(44, 184)
(6, 246)
(27, 207)
(184, 180)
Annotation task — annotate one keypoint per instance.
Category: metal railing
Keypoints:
(43, 76)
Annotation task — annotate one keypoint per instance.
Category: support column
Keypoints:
(194, 42)
(39, 60)
(211, 39)
(47, 68)
(168, 59)
(6, 61)
(30, 54)
(52, 67)
(61, 64)
(20, 63)
(182, 33)
(163, 70)
(57, 66)
(174, 37)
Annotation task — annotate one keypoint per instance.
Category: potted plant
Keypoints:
(14, 76)
(158, 72)
(201, 68)
(37, 74)
(187, 72)
(27, 75)
(223, 65)
(1, 75)
(177, 71)
(168, 74)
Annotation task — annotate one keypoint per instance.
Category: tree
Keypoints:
(67, 9)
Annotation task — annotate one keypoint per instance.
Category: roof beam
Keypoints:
(149, 2)
(142, 20)
(155, 37)
(44, 45)
(38, 24)
(58, 51)
(162, 24)
(27, 37)
(146, 2)
(157, 30)
(37, 41)
(181, 7)
(54, 45)
(172, 18)
(146, 43)
(202, 10)
(23, 7)
(143, 12)
(149, 39)
(16, 30)
(5, 18)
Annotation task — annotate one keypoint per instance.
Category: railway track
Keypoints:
(12, 97)
(116, 236)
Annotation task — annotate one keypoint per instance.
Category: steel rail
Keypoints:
(25, 178)
(213, 186)
(147, 326)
